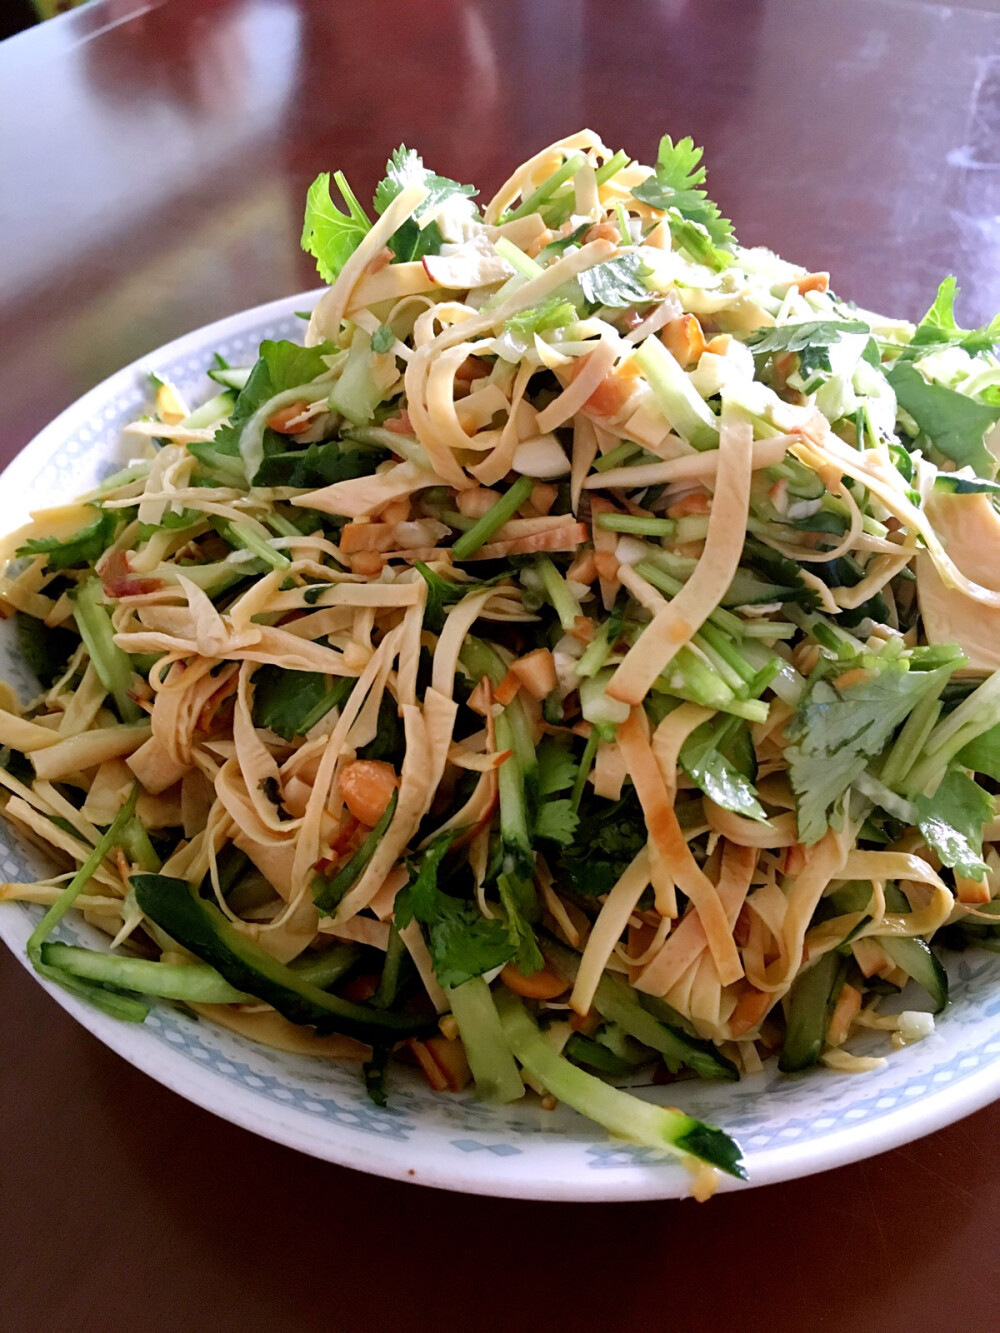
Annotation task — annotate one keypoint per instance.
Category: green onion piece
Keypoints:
(283, 526)
(506, 507)
(547, 188)
(385, 996)
(242, 535)
(646, 527)
(517, 259)
(566, 606)
(612, 167)
(583, 772)
(617, 456)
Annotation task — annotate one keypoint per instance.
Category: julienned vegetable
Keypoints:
(579, 659)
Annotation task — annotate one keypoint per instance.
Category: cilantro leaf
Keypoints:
(616, 283)
(557, 821)
(809, 340)
(328, 234)
(383, 339)
(556, 765)
(317, 465)
(952, 822)
(462, 943)
(82, 549)
(983, 754)
(291, 702)
(707, 757)
(953, 422)
(695, 222)
(609, 836)
(553, 313)
(519, 901)
(442, 593)
(938, 327)
(280, 366)
(405, 167)
(837, 731)
(46, 649)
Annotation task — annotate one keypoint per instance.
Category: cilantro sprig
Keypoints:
(406, 167)
(696, 223)
(328, 234)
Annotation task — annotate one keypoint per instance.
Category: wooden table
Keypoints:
(153, 163)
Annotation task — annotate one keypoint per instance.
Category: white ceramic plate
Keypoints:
(786, 1126)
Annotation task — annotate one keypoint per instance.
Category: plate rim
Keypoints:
(484, 1174)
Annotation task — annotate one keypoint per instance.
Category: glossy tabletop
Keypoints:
(154, 155)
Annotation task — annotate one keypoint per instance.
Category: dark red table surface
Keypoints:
(154, 156)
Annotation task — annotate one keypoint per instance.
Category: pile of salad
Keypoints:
(576, 665)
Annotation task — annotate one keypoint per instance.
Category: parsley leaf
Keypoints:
(617, 283)
(695, 222)
(938, 327)
(462, 943)
(953, 422)
(405, 167)
(836, 732)
(383, 339)
(952, 822)
(715, 757)
(328, 234)
(79, 551)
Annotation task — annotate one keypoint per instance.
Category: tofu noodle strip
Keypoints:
(579, 654)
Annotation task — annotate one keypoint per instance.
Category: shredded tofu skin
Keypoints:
(579, 654)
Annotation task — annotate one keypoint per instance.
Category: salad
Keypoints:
(575, 665)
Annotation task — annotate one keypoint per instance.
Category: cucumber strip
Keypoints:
(675, 395)
(113, 667)
(581, 1050)
(214, 410)
(198, 926)
(622, 1114)
(486, 1048)
(124, 1007)
(82, 877)
(810, 1003)
(915, 956)
(618, 1003)
(328, 893)
(193, 982)
(329, 966)
(233, 377)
